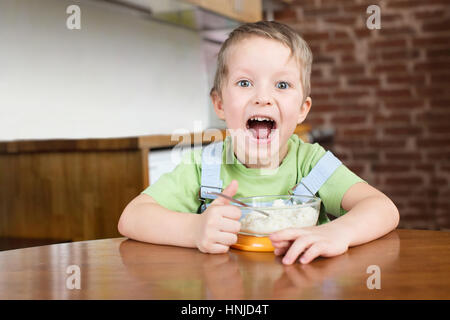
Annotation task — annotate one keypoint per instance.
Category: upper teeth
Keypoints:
(261, 119)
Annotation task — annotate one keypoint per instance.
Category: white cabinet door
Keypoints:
(163, 161)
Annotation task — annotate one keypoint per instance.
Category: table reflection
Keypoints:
(180, 273)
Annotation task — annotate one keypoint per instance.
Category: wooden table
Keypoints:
(414, 264)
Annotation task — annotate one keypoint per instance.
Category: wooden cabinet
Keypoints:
(72, 190)
(240, 10)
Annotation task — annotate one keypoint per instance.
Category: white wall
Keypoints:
(120, 75)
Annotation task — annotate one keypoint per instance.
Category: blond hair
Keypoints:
(271, 30)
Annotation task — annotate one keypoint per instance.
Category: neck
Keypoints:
(271, 162)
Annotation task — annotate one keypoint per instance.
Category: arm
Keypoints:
(212, 231)
(145, 220)
(371, 214)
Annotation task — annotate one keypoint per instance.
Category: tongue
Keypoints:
(261, 129)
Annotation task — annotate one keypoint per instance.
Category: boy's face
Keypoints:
(261, 100)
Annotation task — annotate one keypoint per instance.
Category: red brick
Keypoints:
(322, 107)
(437, 26)
(439, 155)
(435, 142)
(394, 93)
(349, 69)
(400, 55)
(351, 144)
(438, 53)
(387, 143)
(431, 90)
(396, 31)
(403, 131)
(363, 32)
(403, 155)
(396, 118)
(364, 82)
(367, 132)
(404, 4)
(408, 181)
(417, 79)
(340, 35)
(326, 83)
(434, 117)
(440, 129)
(381, 168)
(390, 43)
(431, 41)
(427, 66)
(316, 36)
(320, 96)
(320, 11)
(440, 79)
(438, 181)
(407, 104)
(369, 155)
(346, 58)
(348, 119)
(285, 14)
(439, 102)
(358, 9)
(389, 68)
(349, 20)
(425, 167)
(318, 59)
(339, 46)
(350, 94)
(430, 14)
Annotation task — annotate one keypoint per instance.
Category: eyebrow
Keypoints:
(278, 73)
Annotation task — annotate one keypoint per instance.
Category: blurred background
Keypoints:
(92, 91)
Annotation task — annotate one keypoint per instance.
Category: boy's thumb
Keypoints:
(230, 191)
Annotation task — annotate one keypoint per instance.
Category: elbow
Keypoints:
(122, 225)
(395, 214)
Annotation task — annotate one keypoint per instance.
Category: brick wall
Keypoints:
(387, 95)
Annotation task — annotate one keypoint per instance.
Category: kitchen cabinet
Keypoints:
(240, 10)
(73, 190)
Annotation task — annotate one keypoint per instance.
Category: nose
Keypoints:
(263, 99)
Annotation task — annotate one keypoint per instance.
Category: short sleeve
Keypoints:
(178, 190)
(333, 190)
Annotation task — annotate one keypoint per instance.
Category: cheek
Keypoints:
(234, 107)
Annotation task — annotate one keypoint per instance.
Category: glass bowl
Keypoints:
(285, 211)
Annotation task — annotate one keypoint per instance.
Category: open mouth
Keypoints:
(261, 127)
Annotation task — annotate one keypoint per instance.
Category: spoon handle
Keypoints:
(238, 202)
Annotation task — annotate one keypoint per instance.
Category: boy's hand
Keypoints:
(326, 241)
(219, 224)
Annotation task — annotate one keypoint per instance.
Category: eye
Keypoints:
(243, 83)
(283, 85)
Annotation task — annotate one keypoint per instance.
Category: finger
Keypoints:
(281, 244)
(230, 225)
(226, 238)
(286, 234)
(313, 252)
(230, 191)
(296, 249)
(280, 251)
(218, 248)
(231, 212)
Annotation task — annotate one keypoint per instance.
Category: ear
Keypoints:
(218, 105)
(304, 109)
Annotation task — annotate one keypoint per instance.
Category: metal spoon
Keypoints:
(238, 202)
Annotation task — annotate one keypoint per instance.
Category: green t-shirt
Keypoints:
(179, 190)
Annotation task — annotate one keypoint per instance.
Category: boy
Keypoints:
(261, 90)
